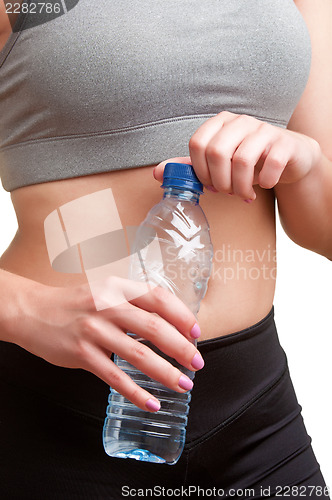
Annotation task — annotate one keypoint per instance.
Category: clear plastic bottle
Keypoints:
(181, 262)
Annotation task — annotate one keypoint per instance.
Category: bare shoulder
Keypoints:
(313, 114)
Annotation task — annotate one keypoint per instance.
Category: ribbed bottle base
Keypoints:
(130, 432)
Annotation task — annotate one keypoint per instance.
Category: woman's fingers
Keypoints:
(158, 317)
(228, 151)
(200, 147)
(159, 332)
(145, 359)
(101, 336)
(167, 305)
(100, 365)
(158, 171)
(274, 165)
(248, 156)
(114, 292)
(221, 152)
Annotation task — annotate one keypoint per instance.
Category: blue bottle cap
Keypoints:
(182, 176)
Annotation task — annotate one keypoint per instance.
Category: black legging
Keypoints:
(245, 436)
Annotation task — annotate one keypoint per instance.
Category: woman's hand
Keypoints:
(62, 326)
(231, 153)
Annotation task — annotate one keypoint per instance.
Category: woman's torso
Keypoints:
(242, 284)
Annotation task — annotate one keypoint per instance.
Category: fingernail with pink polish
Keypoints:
(212, 189)
(197, 362)
(230, 194)
(195, 332)
(185, 383)
(152, 404)
(248, 201)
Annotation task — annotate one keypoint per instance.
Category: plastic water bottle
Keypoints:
(172, 249)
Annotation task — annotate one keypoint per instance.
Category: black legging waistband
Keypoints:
(248, 361)
(238, 368)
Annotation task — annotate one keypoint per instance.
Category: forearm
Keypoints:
(305, 208)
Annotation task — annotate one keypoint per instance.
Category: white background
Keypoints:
(303, 317)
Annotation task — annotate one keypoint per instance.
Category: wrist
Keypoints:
(309, 173)
(317, 162)
(14, 309)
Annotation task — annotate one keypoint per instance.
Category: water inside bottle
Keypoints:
(142, 455)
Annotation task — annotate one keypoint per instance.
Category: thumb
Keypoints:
(158, 171)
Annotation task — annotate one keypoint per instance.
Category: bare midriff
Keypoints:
(242, 284)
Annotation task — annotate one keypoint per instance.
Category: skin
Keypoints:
(231, 154)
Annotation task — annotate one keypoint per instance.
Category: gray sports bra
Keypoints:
(112, 85)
